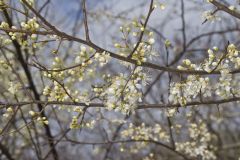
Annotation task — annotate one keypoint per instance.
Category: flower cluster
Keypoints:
(143, 133)
(76, 125)
(3, 65)
(83, 55)
(37, 116)
(200, 143)
(86, 62)
(42, 120)
(14, 87)
(22, 38)
(124, 92)
(144, 48)
(102, 58)
(83, 60)
(189, 89)
(225, 87)
(4, 25)
(56, 93)
(233, 55)
(9, 112)
(208, 15)
(3, 40)
(31, 24)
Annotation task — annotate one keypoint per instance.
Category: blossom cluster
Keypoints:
(124, 92)
(31, 24)
(9, 112)
(76, 125)
(198, 86)
(56, 93)
(142, 49)
(3, 40)
(200, 143)
(22, 38)
(143, 133)
(189, 89)
(210, 16)
(14, 87)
